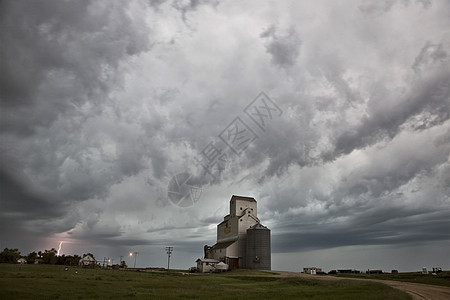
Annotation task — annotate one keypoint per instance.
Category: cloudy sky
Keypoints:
(104, 102)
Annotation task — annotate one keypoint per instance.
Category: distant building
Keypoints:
(312, 270)
(374, 272)
(348, 271)
(21, 261)
(242, 242)
(87, 261)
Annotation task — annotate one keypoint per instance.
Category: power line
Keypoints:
(135, 255)
(169, 252)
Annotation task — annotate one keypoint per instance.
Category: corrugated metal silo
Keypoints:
(258, 248)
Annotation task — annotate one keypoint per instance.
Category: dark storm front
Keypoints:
(185, 189)
(237, 136)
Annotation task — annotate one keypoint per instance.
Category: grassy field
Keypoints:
(53, 282)
(442, 279)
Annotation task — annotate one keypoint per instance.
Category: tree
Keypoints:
(61, 260)
(49, 256)
(123, 264)
(31, 257)
(9, 255)
(68, 260)
(74, 260)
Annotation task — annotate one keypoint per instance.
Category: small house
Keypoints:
(205, 265)
(312, 270)
(87, 261)
(21, 261)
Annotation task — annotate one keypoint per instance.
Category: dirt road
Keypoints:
(416, 290)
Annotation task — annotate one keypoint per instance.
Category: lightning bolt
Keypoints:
(59, 249)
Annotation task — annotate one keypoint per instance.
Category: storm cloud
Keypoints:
(103, 102)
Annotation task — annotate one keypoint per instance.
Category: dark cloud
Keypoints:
(59, 55)
(429, 94)
(385, 227)
(59, 62)
(102, 103)
(430, 56)
(284, 47)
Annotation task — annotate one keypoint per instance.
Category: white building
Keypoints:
(221, 267)
(312, 270)
(21, 261)
(87, 261)
(205, 265)
(231, 246)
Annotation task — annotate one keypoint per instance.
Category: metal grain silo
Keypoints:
(258, 248)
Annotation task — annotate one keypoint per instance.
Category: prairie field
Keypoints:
(441, 279)
(55, 282)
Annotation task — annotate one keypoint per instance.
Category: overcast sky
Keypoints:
(103, 102)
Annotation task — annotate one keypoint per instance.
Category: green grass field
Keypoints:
(53, 282)
(442, 279)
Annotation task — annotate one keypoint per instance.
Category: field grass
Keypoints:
(53, 282)
(442, 279)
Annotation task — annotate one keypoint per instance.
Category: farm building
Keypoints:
(205, 265)
(312, 270)
(348, 271)
(374, 272)
(87, 261)
(242, 242)
(21, 261)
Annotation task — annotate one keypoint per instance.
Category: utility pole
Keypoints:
(135, 255)
(169, 252)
